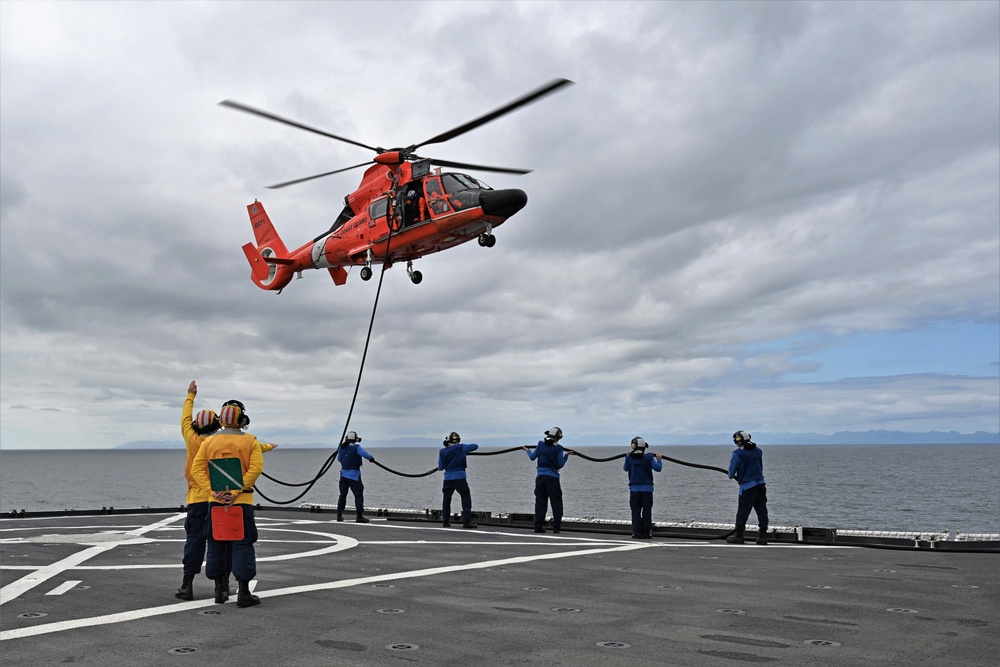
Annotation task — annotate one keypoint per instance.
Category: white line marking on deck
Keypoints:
(63, 587)
(122, 617)
(43, 574)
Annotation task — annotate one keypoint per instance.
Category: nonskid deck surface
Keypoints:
(100, 590)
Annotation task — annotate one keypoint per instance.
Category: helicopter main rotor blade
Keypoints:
(479, 167)
(239, 106)
(278, 186)
(550, 87)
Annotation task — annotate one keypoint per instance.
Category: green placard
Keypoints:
(225, 474)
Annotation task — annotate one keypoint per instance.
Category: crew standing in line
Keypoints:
(452, 460)
(551, 457)
(747, 467)
(350, 456)
(195, 431)
(640, 467)
(232, 442)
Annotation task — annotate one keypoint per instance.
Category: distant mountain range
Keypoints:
(607, 440)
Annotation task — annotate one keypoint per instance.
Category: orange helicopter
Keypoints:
(403, 209)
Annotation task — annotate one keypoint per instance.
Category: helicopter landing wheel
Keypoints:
(366, 273)
(487, 240)
(415, 276)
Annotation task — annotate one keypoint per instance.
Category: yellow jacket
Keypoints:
(230, 443)
(193, 442)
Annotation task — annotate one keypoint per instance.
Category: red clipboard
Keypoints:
(227, 523)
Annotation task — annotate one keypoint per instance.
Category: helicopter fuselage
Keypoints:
(398, 213)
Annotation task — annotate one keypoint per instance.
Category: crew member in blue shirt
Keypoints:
(350, 456)
(452, 460)
(747, 467)
(640, 466)
(551, 457)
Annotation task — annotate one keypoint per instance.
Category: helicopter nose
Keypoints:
(502, 203)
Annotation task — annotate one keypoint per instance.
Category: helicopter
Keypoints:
(404, 208)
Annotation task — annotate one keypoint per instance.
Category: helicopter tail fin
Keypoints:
(269, 263)
(264, 232)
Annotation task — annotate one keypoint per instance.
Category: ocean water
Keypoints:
(884, 487)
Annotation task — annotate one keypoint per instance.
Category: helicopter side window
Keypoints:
(344, 216)
(378, 208)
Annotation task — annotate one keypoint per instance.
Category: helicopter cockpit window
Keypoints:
(378, 208)
(458, 182)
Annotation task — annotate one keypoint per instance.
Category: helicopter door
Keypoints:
(437, 204)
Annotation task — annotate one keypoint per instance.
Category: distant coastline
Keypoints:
(857, 438)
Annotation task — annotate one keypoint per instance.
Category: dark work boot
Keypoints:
(229, 588)
(221, 590)
(762, 537)
(245, 598)
(735, 539)
(186, 592)
(361, 518)
(340, 517)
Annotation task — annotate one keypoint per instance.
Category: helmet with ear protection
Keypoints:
(243, 419)
(741, 436)
(453, 439)
(554, 434)
(638, 448)
(205, 422)
(351, 438)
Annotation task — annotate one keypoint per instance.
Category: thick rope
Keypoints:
(329, 462)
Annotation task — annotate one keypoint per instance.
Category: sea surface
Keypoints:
(866, 487)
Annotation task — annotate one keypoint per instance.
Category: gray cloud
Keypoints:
(728, 188)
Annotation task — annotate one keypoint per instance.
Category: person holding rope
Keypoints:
(452, 459)
(551, 457)
(640, 467)
(747, 467)
(232, 442)
(350, 456)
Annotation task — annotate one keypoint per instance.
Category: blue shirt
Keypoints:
(747, 467)
(640, 472)
(350, 461)
(551, 457)
(451, 459)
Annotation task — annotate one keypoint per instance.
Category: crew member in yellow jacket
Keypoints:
(195, 430)
(232, 442)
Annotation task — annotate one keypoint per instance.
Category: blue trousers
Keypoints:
(195, 539)
(548, 490)
(357, 488)
(237, 556)
(641, 503)
(754, 498)
(451, 486)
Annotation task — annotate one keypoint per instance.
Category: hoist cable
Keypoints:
(357, 385)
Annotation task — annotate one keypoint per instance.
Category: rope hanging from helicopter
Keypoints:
(357, 385)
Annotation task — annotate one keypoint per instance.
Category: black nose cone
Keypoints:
(502, 203)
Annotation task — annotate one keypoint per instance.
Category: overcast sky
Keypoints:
(769, 217)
